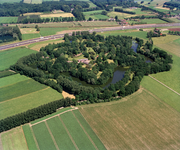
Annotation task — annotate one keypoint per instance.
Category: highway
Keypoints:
(96, 30)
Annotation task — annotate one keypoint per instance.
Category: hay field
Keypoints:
(13, 140)
(28, 30)
(139, 121)
(57, 15)
(65, 95)
(10, 57)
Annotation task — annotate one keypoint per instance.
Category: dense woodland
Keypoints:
(48, 66)
(15, 9)
(8, 34)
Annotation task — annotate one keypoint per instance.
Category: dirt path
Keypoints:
(164, 85)
(54, 116)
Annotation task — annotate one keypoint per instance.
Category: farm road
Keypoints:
(164, 85)
(96, 30)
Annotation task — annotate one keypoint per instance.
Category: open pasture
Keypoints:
(8, 19)
(57, 15)
(6, 73)
(88, 13)
(13, 140)
(29, 101)
(139, 121)
(10, 57)
(50, 31)
(120, 15)
(28, 30)
(148, 21)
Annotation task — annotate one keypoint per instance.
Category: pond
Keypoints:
(118, 75)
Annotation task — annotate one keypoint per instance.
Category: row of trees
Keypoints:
(124, 11)
(174, 32)
(15, 9)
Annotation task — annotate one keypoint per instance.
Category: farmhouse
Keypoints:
(85, 61)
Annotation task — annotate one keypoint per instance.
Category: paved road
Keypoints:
(96, 30)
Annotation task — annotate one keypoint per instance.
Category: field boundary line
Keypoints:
(68, 133)
(164, 85)
(37, 145)
(85, 132)
(52, 136)
(1, 145)
(24, 137)
(53, 116)
(23, 95)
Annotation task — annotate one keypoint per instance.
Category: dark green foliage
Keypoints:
(124, 11)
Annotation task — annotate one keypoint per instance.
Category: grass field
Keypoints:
(10, 1)
(133, 33)
(57, 15)
(30, 36)
(8, 19)
(98, 23)
(10, 80)
(97, 17)
(14, 140)
(138, 11)
(88, 13)
(6, 73)
(29, 101)
(170, 43)
(28, 30)
(139, 121)
(50, 31)
(149, 21)
(10, 57)
(19, 89)
(120, 15)
(174, 19)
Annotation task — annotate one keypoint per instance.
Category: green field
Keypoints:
(19, 89)
(30, 36)
(43, 137)
(26, 102)
(98, 23)
(8, 19)
(133, 33)
(139, 121)
(10, 57)
(29, 137)
(88, 13)
(10, 80)
(61, 136)
(76, 131)
(148, 21)
(14, 140)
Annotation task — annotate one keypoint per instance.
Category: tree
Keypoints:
(116, 17)
(104, 13)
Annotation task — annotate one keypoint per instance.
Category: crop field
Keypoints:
(19, 89)
(60, 130)
(57, 15)
(8, 19)
(10, 57)
(30, 36)
(28, 101)
(139, 121)
(14, 140)
(10, 80)
(97, 17)
(98, 23)
(170, 43)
